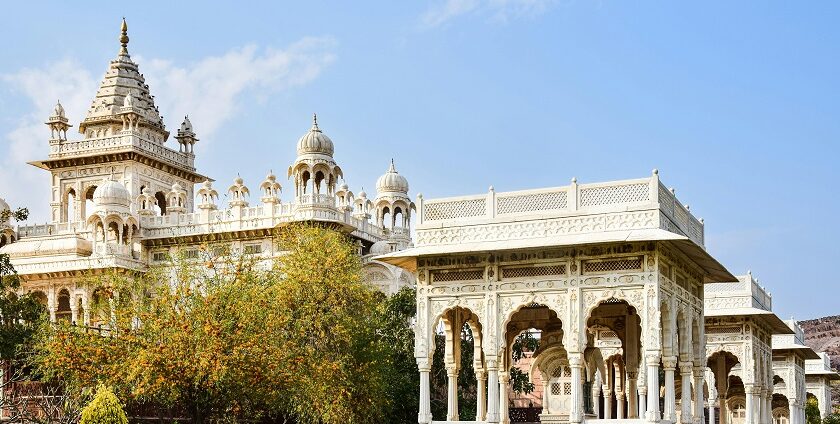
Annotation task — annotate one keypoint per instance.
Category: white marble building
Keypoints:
(637, 321)
(123, 200)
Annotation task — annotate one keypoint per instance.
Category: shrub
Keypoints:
(105, 408)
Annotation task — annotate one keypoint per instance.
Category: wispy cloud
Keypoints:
(211, 90)
(494, 10)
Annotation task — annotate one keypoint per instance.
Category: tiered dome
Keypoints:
(392, 181)
(315, 141)
(111, 193)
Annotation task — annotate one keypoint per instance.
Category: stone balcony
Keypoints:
(123, 141)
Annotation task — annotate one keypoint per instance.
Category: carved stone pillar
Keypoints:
(452, 393)
(596, 399)
(608, 404)
(712, 410)
(698, 395)
(686, 373)
(576, 364)
(492, 391)
(669, 364)
(424, 415)
(632, 409)
(652, 362)
(619, 393)
(722, 381)
(481, 395)
(504, 416)
(642, 401)
(749, 391)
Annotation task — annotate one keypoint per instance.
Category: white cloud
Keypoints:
(495, 10)
(209, 90)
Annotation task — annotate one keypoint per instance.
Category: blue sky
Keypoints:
(736, 103)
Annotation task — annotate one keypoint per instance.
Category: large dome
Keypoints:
(111, 193)
(315, 141)
(392, 181)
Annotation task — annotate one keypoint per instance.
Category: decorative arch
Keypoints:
(511, 306)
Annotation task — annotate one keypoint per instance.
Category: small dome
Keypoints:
(363, 194)
(186, 126)
(238, 180)
(177, 187)
(380, 248)
(343, 187)
(59, 110)
(315, 141)
(112, 193)
(392, 181)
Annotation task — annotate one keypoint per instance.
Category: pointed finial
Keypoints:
(392, 168)
(124, 37)
(315, 122)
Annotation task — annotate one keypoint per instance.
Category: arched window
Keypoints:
(161, 203)
(739, 412)
(70, 206)
(304, 181)
(319, 177)
(398, 217)
(386, 217)
(88, 201)
(63, 311)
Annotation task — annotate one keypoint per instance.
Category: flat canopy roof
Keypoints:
(807, 351)
(772, 320)
(715, 272)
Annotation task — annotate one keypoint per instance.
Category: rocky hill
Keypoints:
(823, 335)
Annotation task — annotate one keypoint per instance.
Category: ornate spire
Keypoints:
(124, 38)
(392, 168)
(315, 123)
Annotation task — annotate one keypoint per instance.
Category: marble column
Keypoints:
(652, 362)
(686, 374)
(669, 364)
(452, 393)
(632, 408)
(607, 403)
(712, 410)
(481, 395)
(492, 391)
(698, 395)
(576, 364)
(722, 381)
(424, 415)
(596, 398)
(749, 391)
(504, 416)
(642, 401)
(619, 393)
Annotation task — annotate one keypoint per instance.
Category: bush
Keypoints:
(105, 408)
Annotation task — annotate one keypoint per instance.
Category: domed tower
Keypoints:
(111, 221)
(315, 171)
(58, 123)
(393, 206)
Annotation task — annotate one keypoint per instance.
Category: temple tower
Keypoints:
(122, 132)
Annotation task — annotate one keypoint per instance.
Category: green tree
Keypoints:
(19, 314)
(397, 338)
(105, 408)
(812, 411)
(225, 337)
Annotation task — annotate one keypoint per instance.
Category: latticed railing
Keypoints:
(617, 196)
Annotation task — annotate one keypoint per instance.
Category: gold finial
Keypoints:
(124, 38)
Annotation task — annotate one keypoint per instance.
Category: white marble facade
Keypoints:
(121, 199)
(637, 321)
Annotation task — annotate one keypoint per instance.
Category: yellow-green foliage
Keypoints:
(105, 408)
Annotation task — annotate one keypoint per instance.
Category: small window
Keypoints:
(253, 249)
(218, 251)
(191, 254)
(160, 256)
